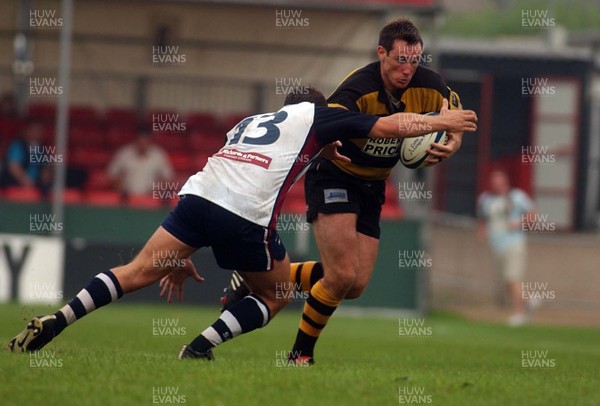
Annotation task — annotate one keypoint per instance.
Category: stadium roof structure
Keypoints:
(514, 48)
(376, 6)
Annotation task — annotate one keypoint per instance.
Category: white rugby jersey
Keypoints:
(265, 154)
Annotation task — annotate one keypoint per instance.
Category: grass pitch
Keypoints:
(125, 354)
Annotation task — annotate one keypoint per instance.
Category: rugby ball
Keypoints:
(413, 150)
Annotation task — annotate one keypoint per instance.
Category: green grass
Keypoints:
(113, 358)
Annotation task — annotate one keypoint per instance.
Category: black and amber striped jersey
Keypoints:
(363, 90)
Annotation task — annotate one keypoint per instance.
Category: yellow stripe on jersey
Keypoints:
(416, 100)
(370, 104)
(363, 91)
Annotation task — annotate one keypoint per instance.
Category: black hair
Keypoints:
(401, 29)
(306, 94)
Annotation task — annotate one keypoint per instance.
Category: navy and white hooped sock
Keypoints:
(102, 290)
(245, 316)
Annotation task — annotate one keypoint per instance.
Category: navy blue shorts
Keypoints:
(330, 190)
(237, 244)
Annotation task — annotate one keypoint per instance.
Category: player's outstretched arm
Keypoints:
(405, 125)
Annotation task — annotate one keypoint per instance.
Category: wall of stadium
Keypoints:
(113, 45)
(94, 239)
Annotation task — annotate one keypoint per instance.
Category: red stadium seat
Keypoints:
(231, 120)
(86, 136)
(121, 117)
(10, 127)
(199, 160)
(294, 205)
(41, 111)
(86, 115)
(23, 194)
(391, 209)
(182, 162)
(118, 136)
(207, 142)
(195, 141)
(89, 158)
(201, 121)
(171, 141)
(72, 196)
(294, 200)
(182, 176)
(162, 116)
(98, 180)
(103, 198)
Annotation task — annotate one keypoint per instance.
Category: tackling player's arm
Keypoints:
(405, 125)
(330, 121)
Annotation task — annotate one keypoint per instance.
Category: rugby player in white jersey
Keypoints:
(232, 205)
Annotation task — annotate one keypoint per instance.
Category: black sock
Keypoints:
(102, 290)
(247, 315)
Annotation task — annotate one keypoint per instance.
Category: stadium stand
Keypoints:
(94, 136)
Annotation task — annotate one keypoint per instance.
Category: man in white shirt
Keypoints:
(502, 211)
(137, 166)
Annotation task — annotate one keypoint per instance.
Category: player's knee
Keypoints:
(342, 278)
(278, 297)
(356, 291)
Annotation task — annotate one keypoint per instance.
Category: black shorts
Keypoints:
(237, 244)
(330, 190)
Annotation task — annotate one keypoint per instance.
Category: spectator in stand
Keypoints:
(137, 167)
(8, 110)
(25, 164)
(8, 106)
